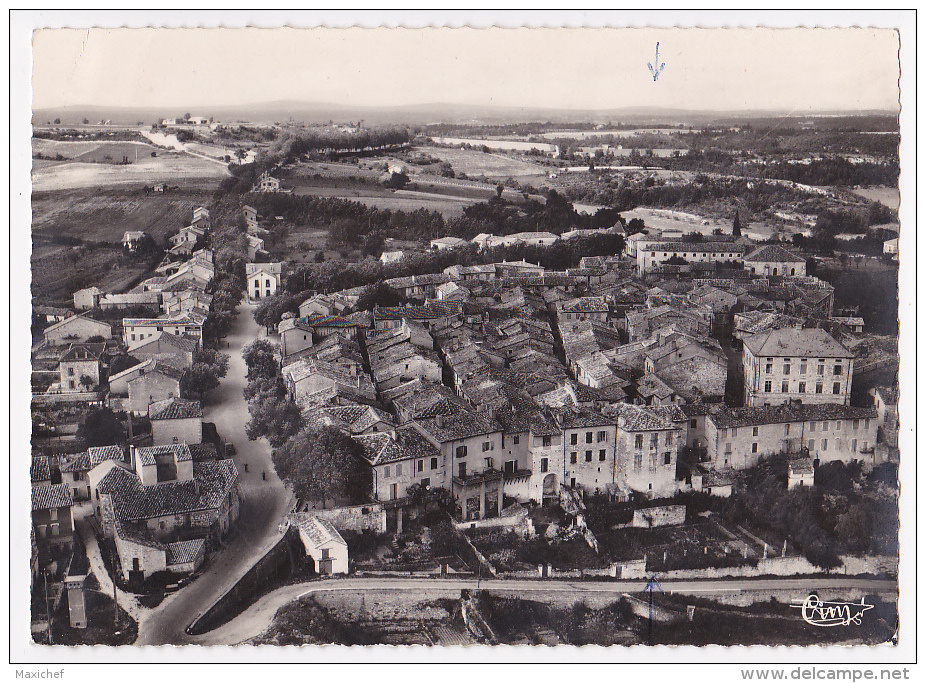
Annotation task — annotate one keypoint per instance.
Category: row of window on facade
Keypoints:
(786, 367)
(811, 446)
(811, 426)
(801, 387)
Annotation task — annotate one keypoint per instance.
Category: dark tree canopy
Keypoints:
(260, 358)
(274, 414)
(101, 427)
(378, 294)
(324, 465)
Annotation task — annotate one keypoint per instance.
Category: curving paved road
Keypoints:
(264, 503)
(255, 620)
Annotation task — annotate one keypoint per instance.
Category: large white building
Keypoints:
(652, 255)
(795, 364)
(772, 259)
(263, 280)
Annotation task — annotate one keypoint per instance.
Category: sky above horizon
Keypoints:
(708, 69)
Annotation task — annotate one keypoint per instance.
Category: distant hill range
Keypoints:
(286, 111)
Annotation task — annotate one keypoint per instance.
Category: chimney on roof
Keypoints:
(441, 419)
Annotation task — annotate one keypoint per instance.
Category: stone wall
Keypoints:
(267, 573)
(355, 518)
(790, 566)
(666, 515)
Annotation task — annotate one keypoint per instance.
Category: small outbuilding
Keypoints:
(322, 543)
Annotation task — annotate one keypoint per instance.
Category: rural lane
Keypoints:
(258, 617)
(171, 141)
(264, 503)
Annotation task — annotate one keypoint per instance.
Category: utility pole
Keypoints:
(651, 585)
(112, 560)
(47, 609)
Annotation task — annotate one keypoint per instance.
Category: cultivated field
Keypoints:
(474, 163)
(104, 215)
(58, 273)
(170, 167)
(889, 196)
(94, 152)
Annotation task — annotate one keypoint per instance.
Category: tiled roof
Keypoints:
(576, 418)
(51, 496)
(808, 342)
(100, 454)
(132, 501)
(724, 416)
(652, 385)
(40, 469)
(174, 409)
(180, 451)
(322, 320)
(408, 444)
(800, 466)
(696, 376)
(358, 418)
(78, 463)
(520, 413)
(773, 253)
(203, 451)
(319, 531)
(67, 322)
(670, 412)
(696, 247)
(160, 366)
(185, 319)
(181, 342)
(888, 395)
(183, 552)
(461, 425)
(586, 304)
(632, 418)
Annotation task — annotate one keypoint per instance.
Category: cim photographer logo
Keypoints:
(819, 612)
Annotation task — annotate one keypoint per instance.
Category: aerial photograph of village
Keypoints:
(607, 356)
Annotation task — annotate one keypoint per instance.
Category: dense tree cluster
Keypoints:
(292, 145)
(229, 246)
(273, 412)
(208, 368)
(831, 518)
(101, 427)
(324, 465)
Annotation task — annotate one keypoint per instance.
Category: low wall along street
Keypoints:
(266, 574)
(355, 518)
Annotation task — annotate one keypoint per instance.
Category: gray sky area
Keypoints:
(712, 69)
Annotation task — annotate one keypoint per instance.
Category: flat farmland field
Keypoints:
(889, 196)
(58, 273)
(474, 163)
(374, 195)
(104, 215)
(174, 168)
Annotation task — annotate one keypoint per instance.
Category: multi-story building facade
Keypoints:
(652, 255)
(471, 444)
(646, 451)
(589, 440)
(796, 365)
(738, 437)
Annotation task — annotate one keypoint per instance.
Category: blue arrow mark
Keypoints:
(656, 70)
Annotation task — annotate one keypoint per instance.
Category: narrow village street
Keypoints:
(264, 503)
